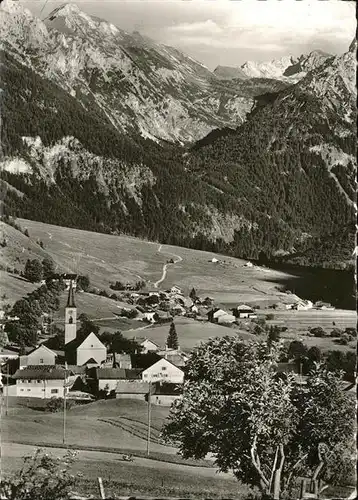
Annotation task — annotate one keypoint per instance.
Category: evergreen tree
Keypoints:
(33, 270)
(172, 340)
(48, 267)
(192, 294)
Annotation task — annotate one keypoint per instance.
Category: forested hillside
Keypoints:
(280, 185)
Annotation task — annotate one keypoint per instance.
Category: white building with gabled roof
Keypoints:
(163, 370)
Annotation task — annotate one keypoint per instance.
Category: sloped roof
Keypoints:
(77, 370)
(244, 307)
(43, 372)
(78, 341)
(38, 347)
(132, 387)
(71, 297)
(118, 373)
(175, 359)
(8, 352)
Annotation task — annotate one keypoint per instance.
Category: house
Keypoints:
(44, 381)
(163, 370)
(302, 305)
(68, 278)
(163, 316)
(150, 316)
(178, 310)
(226, 318)
(89, 351)
(194, 309)
(132, 389)
(165, 394)
(248, 264)
(214, 260)
(208, 302)
(244, 311)
(176, 289)
(108, 378)
(147, 345)
(175, 356)
(41, 355)
(214, 314)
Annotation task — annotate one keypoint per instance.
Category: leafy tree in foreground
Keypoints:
(172, 340)
(42, 476)
(260, 425)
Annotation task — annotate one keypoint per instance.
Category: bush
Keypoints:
(56, 404)
(351, 331)
(336, 333)
(343, 340)
(270, 316)
(41, 476)
(117, 286)
(26, 233)
(318, 332)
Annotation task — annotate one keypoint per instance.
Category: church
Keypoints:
(88, 351)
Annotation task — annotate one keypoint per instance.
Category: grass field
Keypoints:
(107, 258)
(140, 477)
(190, 332)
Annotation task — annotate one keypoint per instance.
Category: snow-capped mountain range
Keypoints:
(287, 69)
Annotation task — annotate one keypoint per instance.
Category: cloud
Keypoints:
(229, 32)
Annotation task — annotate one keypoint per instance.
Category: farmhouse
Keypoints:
(244, 311)
(163, 370)
(108, 378)
(176, 289)
(44, 381)
(147, 345)
(132, 389)
(226, 318)
(41, 355)
(215, 313)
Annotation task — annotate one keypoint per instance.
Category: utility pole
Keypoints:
(149, 417)
(64, 405)
(7, 388)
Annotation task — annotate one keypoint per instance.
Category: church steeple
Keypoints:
(70, 316)
(71, 297)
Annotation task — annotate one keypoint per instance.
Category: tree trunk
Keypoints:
(277, 476)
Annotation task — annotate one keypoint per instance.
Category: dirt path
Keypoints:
(165, 266)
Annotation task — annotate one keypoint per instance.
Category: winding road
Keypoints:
(165, 266)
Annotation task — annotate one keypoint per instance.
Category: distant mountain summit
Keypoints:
(288, 69)
(142, 86)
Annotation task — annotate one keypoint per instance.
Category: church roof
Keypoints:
(71, 297)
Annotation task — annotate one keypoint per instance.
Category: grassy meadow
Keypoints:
(106, 258)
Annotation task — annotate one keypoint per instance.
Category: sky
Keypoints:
(228, 32)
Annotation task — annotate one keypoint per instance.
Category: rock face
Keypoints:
(141, 85)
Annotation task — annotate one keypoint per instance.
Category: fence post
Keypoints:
(101, 488)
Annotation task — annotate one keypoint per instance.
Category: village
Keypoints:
(86, 368)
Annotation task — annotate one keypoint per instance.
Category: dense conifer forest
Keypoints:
(263, 172)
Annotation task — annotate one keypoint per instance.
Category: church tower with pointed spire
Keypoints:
(70, 316)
